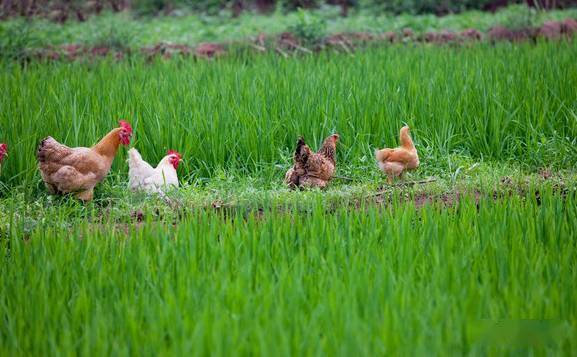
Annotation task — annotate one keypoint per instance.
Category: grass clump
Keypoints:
(18, 39)
(310, 29)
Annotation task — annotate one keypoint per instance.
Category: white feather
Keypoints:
(144, 177)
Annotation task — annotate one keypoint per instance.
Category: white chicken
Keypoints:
(143, 177)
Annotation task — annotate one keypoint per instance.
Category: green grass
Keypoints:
(395, 280)
(236, 263)
(242, 115)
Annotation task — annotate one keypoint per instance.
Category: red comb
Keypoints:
(3, 150)
(125, 125)
(172, 152)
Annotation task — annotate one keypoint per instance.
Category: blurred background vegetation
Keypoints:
(63, 10)
(27, 25)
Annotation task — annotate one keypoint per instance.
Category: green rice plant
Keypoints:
(18, 39)
(396, 280)
(241, 116)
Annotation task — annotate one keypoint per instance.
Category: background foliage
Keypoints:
(61, 10)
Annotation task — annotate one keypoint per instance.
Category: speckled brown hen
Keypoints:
(313, 169)
(394, 162)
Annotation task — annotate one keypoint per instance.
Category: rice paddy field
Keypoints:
(481, 259)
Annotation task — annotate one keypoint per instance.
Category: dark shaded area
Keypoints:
(63, 10)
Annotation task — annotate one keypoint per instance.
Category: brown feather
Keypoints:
(76, 170)
(394, 162)
(313, 169)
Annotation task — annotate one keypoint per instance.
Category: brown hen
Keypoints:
(394, 162)
(313, 169)
(78, 170)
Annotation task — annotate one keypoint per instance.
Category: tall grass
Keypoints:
(396, 280)
(508, 102)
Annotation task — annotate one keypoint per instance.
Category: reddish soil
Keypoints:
(166, 50)
(389, 36)
(569, 27)
(209, 50)
(471, 35)
(288, 41)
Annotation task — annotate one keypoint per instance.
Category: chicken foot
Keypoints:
(86, 195)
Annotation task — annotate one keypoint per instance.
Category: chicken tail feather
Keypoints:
(301, 152)
(381, 155)
(42, 152)
(405, 138)
(134, 158)
(300, 143)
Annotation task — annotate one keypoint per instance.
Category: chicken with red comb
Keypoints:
(78, 170)
(143, 177)
(125, 133)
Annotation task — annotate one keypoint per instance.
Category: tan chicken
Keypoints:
(78, 170)
(394, 162)
(313, 169)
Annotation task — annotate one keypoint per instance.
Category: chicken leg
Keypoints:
(85, 196)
